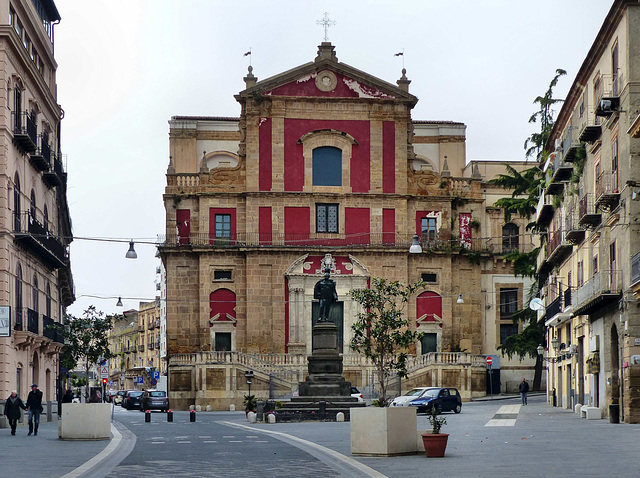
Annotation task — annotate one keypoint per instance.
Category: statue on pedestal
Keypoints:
(325, 291)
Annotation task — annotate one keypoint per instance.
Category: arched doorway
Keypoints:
(615, 366)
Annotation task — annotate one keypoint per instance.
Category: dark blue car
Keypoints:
(444, 399)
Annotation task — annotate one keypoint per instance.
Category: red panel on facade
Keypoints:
(265, 225)
(213, 212)
(465, 229)
(297, 224)
(312, 265)
(388, 157)
(345, 88)
(389, 226)
(428, 307)
(223, 305)
(183, 225)
(265, 168)
(357, 225)
(294, 129)
(286, 315)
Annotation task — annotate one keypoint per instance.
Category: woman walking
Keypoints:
(12, 410)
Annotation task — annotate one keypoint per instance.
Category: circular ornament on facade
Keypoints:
(326, 80)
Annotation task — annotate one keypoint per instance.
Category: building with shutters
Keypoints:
(326, 168)
(36, 284)
(590, 264)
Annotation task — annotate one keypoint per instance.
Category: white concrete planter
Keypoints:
(85, 421)
(384, 431)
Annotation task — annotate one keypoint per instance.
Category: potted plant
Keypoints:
(250, 403)
(435, 443)
(385, 336)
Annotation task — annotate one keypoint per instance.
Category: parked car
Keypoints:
(110, 394)
(444, 399)
(132, 399)
(355, 393)
(404, 400)
(117, 399)
(154, 400)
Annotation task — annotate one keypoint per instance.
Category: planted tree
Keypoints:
(526, 188)
(382, 333)
(86, 341)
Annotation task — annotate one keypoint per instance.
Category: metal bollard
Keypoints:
(169, 415)
(192, 416)
(322, 409)
(147, 416)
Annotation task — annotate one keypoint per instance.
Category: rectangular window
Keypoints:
(429, 277)
(580, 277)
(508, 302)
(507, 330)
(223, 342)
(222, 275)
(428, 227)
(595, 265)
(327, 218)
(223, 226)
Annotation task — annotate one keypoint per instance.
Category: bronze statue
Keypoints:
(325, 290)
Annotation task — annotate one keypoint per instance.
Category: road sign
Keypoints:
(155, 374)
(104, 372)
(154, 382)
(489, 360)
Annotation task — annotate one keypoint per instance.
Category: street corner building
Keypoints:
(326, 168)
(590, 264)
(36, 284)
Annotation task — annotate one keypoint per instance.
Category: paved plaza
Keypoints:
(494, 438)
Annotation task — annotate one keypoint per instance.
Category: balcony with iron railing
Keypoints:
(544, 209)
(607, 94)
(574, 233)
(603, 289)
(151, 345)
(140, 348)
(558, 248)
(635, 275)
(25, 131)
(33, 322)
(41, 157)
(55, 175)
(590, 129)
(562, 169)
(35, 237)
(49, 330)
(588, 215)
(607, 190)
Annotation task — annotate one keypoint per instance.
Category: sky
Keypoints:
(126, 66)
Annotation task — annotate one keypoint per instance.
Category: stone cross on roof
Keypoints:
(326, 23)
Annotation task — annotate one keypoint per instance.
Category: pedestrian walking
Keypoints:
(12, 410)
(34, 405)
(524, 389)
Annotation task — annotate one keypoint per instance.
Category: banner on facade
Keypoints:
(5, 321)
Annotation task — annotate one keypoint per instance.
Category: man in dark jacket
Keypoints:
(12, 410)
(34, 405)
(524, 389)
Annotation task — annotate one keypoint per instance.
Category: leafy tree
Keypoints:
(381, 333)
(86, 340)
(526, 187)
(534, 144)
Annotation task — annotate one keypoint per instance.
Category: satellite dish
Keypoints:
(536, 304)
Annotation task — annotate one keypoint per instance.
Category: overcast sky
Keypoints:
(126, 66)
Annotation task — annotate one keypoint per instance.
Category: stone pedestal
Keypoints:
(325, 392)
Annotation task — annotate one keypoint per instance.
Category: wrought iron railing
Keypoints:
(33, 324)
(635, 268)
(604, 282)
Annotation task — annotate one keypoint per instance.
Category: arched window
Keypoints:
(327, 166)
(17, 109)
(429, 307)
(510, 238)
(16, 202)
(46, 219)
(48, 300)
(35, 293)
(18, 286)
(223, 305)
(32, 207)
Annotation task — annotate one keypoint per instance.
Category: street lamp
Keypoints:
(415, 246)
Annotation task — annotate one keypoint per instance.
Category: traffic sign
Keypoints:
(104, 372)
(155, 374)
(489, 360)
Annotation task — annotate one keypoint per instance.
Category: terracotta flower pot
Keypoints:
(435, 444)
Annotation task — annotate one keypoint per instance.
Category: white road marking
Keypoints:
(185, 441)
(110, 448)
(504, 422)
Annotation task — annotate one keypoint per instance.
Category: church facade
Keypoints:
(326, 168)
